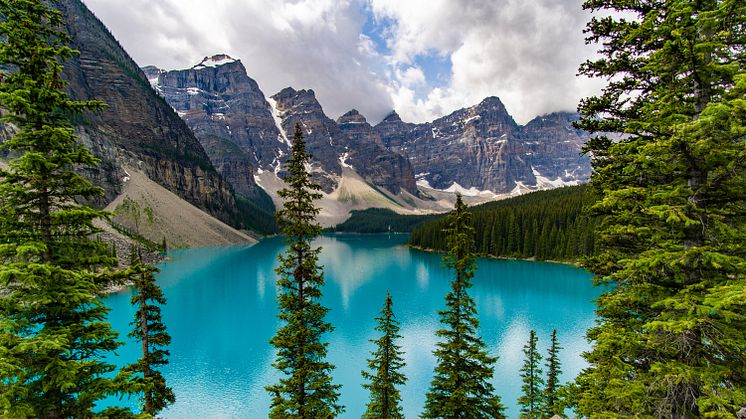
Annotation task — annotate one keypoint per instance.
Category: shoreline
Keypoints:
(487, 256)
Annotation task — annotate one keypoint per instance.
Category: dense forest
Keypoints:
(543, 225)
(381, 220)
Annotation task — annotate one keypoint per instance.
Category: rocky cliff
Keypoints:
(230, 117)
(138, 128)
(483, 149)
(245, 133)
(366, 153)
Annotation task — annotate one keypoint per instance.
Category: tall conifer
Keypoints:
(306, 391)
(461, 387)
(53, 330)
(670, 341)
(552, 399)
(149, 330)
(532, 398)
(385, 366)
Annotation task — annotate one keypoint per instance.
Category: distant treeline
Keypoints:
(543, 225)
(381, 220)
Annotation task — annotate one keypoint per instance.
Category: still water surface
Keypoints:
(221, 313)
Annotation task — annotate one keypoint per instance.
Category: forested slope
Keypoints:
(543, 225)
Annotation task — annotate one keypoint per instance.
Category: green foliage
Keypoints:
(148, 244)
(670, 341)
(256, 213)
(461, 386)
(543, 225)
(149, 330)
(132, 212)
(553, 403)
(53, 330)
(306, 391)
(385, 368)
(381, 220)
(532, 398)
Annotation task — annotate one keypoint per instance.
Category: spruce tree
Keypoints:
(461, 387)
(385, 366)
(552, 399)
(532, 398)
(53, 329)
(306, 391)
(150, 331)
(670, 341)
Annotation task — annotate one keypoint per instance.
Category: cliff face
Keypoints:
(325, 142)
(366, 153)
(230, 117)
(482, 147)
(138, 127)
(554, 147)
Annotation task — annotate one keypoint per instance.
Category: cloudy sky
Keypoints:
(424, 58)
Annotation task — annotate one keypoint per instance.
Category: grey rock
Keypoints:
(366, 153)
(483, 147)
(137, 127)
(229, 115)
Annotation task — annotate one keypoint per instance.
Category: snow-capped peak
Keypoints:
(215, 61)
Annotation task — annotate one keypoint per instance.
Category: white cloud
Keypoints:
(526, 53)
(411, 76)
(306, 44)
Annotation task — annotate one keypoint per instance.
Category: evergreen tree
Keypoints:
(149, 330)
(307, 390)
(385, 368)
(670, 341)
(53, 329)
(532, 399)
(552, 398)
(461, 387)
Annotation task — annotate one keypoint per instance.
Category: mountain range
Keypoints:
(210, 135)
(479, 151)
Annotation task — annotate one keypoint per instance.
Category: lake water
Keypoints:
(221, 313)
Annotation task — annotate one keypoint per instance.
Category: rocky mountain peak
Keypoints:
(289, 98)
(151, 71)
(392, 117)
(491, 105)
(215, 61)
(352, 117)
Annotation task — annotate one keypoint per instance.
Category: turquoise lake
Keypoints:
(221, 313)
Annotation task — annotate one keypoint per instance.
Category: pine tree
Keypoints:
(670, 341)
(307, 390)
(532, 399)
(552, 399)
(53, 329)
(461, 387)
(149, 330)
(385, 368)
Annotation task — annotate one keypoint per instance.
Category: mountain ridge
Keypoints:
(479, 151)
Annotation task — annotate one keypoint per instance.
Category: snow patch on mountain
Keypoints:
(214, 61)
(343, 160)
(276, 115)
(456, 188)
(543, 182)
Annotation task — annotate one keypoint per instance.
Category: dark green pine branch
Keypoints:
(306, 389)
(672, 238)
(384, 373)
(461, 386)
(552, 391)
(532, 398)
(150, 331)
(54, 336)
